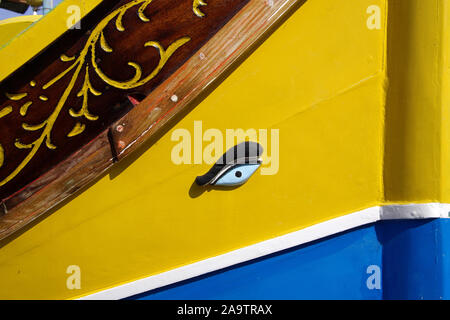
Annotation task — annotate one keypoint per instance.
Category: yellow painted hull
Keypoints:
(321, 79)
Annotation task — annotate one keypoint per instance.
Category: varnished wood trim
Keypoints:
(56, 185)
(143, 122)
(214, 58)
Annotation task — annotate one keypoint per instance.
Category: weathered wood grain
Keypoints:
(168, 99)
(121, 50)
(56, 185)
(212, 60)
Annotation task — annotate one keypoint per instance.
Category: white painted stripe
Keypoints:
(318, 231)
(258, 250)
(415, 211)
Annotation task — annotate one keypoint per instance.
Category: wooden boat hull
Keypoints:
(354, 154)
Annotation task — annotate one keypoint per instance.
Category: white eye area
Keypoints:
(237, 175)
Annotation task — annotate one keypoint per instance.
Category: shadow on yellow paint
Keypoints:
(129, 160)
(413, 107)
(194, 191)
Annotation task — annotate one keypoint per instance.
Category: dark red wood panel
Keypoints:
(77, 87)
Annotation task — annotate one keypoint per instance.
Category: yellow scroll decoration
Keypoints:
(78, 129)
(5, 111)
(80, 63)
(2, 156)
(196, 9)
(16, 97)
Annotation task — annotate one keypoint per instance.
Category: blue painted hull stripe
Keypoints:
(319, 231)
(385, 260)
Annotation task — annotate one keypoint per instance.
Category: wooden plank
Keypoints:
(78, 86)
(165, 101)
(56, 185)
(198, 73)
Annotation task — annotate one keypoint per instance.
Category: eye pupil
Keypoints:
(238, 174)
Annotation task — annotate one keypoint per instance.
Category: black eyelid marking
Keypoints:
(247, 152)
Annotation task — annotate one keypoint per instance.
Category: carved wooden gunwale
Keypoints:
(120, 138)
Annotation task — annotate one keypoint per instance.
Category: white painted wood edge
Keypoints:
(258, 250)
(415, 211)
(261, 249)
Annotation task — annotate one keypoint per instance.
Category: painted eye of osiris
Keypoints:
(237, 175)
(235, 167)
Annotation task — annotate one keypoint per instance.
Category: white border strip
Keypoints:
(258, 250)
(415, 211)
(318, 231)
